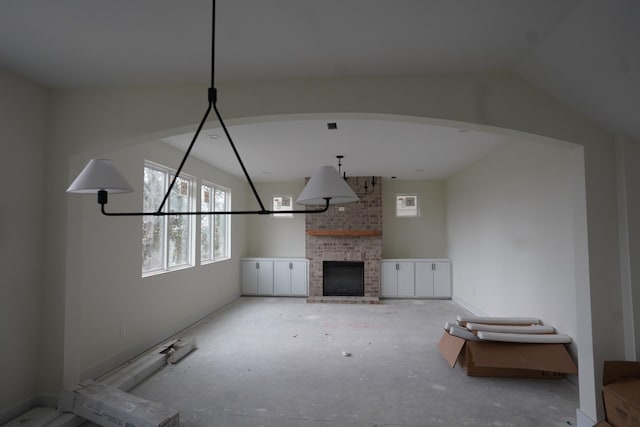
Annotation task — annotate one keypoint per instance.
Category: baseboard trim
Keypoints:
(17, 410)
(45, 400)
(583, 420)
(469, 307)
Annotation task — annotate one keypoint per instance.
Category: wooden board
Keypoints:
(348, 233)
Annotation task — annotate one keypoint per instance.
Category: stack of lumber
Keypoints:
(505, 329)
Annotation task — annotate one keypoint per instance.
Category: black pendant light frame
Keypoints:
(212, 95)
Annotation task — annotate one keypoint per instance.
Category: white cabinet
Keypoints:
(274, 276)
(397, 279)
(290, 277)
(442, 280)
(433, 279)
(420, 278)
(257, 277)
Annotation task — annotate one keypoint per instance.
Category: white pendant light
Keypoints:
(99, 174)
(325, 184)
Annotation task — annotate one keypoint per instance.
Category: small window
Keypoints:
(406, 205)
(215, 243)
(282, 204)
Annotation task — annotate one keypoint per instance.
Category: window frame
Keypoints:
(282, 213)
(165, 221)
(413, 212)
(212, 256)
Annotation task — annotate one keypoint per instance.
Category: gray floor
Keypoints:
(280, 362)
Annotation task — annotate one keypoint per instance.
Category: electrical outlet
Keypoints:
(340, 208)
(123, 331)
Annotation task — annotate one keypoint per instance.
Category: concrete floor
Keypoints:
(279, 362)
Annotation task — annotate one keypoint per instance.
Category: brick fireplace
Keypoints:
(351, 232)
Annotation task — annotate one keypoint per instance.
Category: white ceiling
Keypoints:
(584, 52)
(286, 150)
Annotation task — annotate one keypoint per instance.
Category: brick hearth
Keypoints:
(355, 234)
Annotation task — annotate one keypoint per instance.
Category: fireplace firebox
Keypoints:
(343, 278)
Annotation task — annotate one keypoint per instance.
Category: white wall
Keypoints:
(270, 236)
(23, 114)
(628, 157)
(424, 236)
(108, 290)
(511, 234)
(83, 121)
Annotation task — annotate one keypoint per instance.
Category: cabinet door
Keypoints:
(249, 277)
(281, 278)
(442, 279)
(389, 279)
(424, 279)
(265, 277)
(406, 277)
(298, 278)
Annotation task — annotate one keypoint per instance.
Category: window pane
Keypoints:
(166, 240)
(179, 225)
(152, 244)
(221, 222)
(406, 205)
(206, 234)
(282, 204)
(214, 240)
(152, 226)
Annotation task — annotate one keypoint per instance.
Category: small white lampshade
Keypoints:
(325, 182)
(99, 174)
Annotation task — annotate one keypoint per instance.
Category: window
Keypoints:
(166, 240)
(214, 229)
(282, 204)
(406, 205)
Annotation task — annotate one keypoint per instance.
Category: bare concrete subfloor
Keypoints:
(281, 362)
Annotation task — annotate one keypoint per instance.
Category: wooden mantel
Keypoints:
(349, 233)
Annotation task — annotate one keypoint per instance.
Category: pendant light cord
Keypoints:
(212, 96)
(213, 47)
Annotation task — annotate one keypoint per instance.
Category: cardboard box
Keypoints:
(602, 424)
(621, 393)
(502, 359)
(108, 406)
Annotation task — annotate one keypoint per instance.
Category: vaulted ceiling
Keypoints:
(585, 53)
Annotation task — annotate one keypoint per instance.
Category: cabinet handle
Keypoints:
(257, 265)
(433, 267)
(397, 266)
(290, 266)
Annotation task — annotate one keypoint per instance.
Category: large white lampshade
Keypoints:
(99, 174)
(326, 183)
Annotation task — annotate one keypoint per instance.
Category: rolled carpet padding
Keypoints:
(517, 329)
(524, 338)
(463, 320)
(448, 325)
(461, 332)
